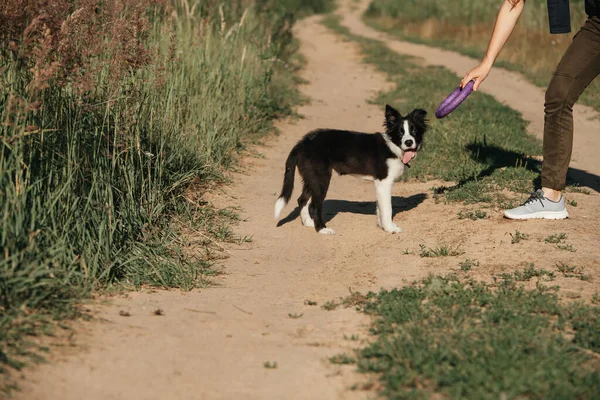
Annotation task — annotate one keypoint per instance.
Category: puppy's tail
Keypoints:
(288, 181)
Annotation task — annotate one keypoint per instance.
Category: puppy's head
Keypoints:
(406, 133)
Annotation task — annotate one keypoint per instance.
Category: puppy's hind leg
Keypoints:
(304, 203)
(383, 189)
(315, 208)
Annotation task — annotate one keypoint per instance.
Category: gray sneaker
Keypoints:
(537, 206)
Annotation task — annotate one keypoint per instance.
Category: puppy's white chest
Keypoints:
(395, 168)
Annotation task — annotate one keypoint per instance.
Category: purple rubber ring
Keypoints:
(454, 100)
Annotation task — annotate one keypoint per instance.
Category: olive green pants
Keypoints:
(577, 69)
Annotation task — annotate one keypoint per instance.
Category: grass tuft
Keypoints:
(474, 215)
(556, 238)
(510, 278)
(572, 271)
(441, 251)
(518, 236)
(468, 265)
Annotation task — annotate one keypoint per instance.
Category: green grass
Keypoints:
(556, 238)
(574, 188)
(518, 236)
(485, 142)
(342, 359)
(446, 338)
(440, 251)
(330, 305)
(566, 247)
(474, 215)
(572, 271)
(465, 26)
(559, 240)
(468, 265)
(270, 364)
(508, 279)
(98, 181)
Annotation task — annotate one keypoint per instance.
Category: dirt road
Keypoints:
(213, 343)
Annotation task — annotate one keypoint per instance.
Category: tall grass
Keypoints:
(466, 26)
(109, 111)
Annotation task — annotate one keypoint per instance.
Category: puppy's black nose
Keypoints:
(408, 143)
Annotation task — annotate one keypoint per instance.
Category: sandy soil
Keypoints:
(213, 343)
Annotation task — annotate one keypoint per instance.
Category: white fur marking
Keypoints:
(383, 190)
(279, 206)
(327, 231)
(406, 131)
(305, 215)
(407, 135)
(393, 148)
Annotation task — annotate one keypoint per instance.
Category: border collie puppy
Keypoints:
(381, 157)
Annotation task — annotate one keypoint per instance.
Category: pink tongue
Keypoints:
(407, 156)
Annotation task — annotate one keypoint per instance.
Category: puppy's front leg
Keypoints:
(383, 189)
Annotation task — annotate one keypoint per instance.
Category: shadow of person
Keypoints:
(496, 157)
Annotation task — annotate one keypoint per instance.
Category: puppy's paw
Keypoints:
(327, 231)
(308, 222)
(393, 228)
(306, 219)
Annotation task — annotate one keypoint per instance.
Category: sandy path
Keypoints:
(212, 344)
(507, 87)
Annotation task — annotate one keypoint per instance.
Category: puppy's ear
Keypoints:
(418, 117)
(419, 114)
(392, 117)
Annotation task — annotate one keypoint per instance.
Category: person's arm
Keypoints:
(505, 23)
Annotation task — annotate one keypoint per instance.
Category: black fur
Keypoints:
(322, 151)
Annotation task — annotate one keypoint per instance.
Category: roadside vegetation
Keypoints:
(115, 117)
(457, 338)
(466, 26)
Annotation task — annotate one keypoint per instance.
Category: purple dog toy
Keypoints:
(454, 100)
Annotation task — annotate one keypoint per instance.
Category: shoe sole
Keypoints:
(540, 215)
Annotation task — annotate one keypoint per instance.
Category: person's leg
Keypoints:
(579, 66)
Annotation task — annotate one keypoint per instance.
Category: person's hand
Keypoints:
(479, 73)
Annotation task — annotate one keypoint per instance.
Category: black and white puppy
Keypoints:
(381, 157)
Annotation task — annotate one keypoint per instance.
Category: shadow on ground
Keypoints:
(331, 208)
(497, 157)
